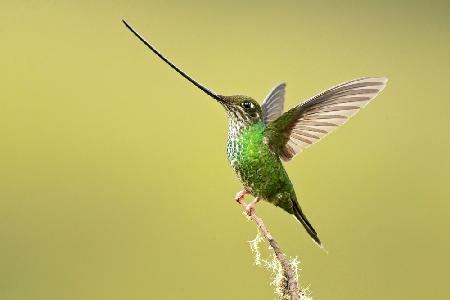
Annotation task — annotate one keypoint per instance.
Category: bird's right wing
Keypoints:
(272, 107)
(310, 121)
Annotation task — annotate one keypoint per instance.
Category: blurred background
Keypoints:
(114, 182)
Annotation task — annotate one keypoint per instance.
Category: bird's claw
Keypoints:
(250, 209)
(240, 196)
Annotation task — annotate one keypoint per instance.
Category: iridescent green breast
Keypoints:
(259, 169)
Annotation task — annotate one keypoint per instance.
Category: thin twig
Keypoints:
(292, 282)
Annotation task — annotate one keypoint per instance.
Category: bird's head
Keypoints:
(242, 109)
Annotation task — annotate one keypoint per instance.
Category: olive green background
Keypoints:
(114, 182)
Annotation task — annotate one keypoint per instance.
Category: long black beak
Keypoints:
(194, 82)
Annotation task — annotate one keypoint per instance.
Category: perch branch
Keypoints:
(291, 278)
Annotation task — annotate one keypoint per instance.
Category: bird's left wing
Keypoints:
(309, 122)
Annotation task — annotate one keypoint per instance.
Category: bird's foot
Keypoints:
(240, 196)
(250, 208)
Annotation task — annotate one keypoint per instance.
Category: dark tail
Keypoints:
(300, 216)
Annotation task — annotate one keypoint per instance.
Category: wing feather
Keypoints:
(273, 106)
(309, 122)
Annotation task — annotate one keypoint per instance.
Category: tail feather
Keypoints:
(300, 216)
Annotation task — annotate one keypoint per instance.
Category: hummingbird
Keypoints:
(261, 137)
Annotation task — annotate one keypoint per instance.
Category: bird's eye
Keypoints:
(247, 105)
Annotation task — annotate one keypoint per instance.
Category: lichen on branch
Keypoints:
(284, 270)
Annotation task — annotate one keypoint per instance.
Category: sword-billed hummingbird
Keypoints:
(261, 136)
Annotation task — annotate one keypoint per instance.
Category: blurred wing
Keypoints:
(309, 122)
(272, 106)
